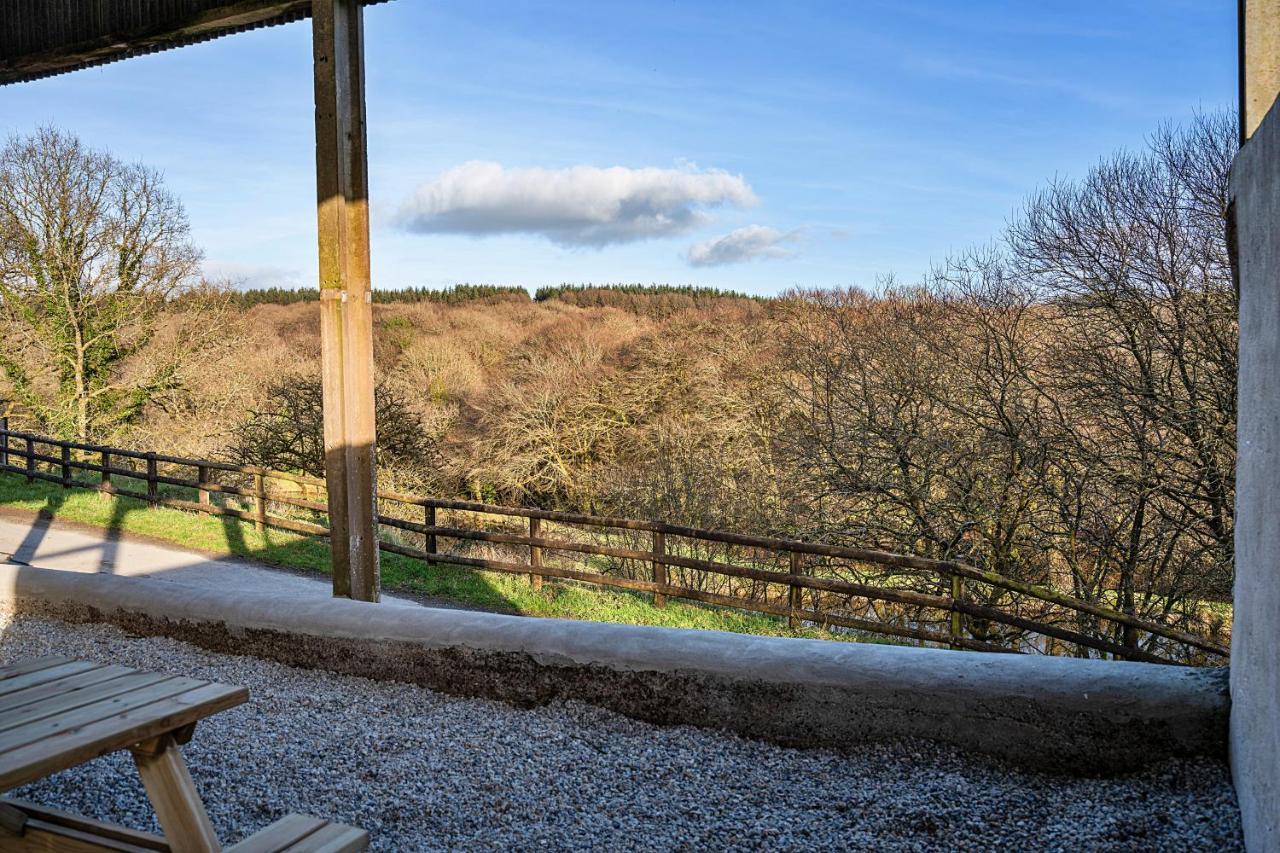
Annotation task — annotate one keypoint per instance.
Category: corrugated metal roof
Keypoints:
(40, 38)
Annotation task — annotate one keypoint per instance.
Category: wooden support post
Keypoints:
(795, 594)
(659, 567)
(535, 554)
(153, 487)
(346, 312)
(202, 477)
(259, 502)
(1259, 23)
(66, 466)
(105, 488)
(430, 518)
(31, 459)
(174, 797)
(4, 440)
(957, 624)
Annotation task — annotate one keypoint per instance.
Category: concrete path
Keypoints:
(50, 545)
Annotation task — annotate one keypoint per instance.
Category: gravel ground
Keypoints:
(426, 771)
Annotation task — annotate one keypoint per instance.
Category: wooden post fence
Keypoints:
(153, 486)
(957, 626)
(4, 446)
(795, 599)
(806, 589)
(259, 502)
(535, 553)
(659, 567)
(430, 518)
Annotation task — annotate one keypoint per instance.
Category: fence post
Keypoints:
(1131, 637)
(259, 502)
(794, 593)
(4, 440)
(659, 567)
(31, 460)
(535, 554)
(1128, 633)
(66, 466)
(957, 625)
(105, 487)
(430, 516)
(153, 488)
(202, 477)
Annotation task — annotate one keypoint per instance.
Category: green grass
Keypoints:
(495, 591)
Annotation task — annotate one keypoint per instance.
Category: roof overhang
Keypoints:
(41, 38)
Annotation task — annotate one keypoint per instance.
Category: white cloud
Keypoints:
(578, 206)
(744, 244)
(251, 276)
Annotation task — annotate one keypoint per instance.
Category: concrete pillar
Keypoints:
(1255, 636)
(1259, 61)
(1255, 640)
(346, 312)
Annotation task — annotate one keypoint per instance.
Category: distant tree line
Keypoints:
(587, 294)
(648, 300)
(455, 295)
(638, 298)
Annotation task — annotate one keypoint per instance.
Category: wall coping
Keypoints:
(1056, 713)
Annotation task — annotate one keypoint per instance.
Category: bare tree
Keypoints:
(91, 251)
(1133, 258)
(287, 432)
(544, 434)
(1059, 407)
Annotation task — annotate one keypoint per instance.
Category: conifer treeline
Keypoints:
(625, 296)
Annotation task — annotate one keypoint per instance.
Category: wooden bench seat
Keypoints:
(297, 833)
(27, 828)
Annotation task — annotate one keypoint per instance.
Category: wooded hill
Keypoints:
(1058, 407)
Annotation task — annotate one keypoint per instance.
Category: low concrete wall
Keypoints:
(1059, 714)
(1255, 630)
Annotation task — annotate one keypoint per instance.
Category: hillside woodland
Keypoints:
(1058, 406)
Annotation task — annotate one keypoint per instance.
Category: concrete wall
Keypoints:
(1255, 640)
(1059, 714)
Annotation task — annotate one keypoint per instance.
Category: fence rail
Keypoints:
(940, 605)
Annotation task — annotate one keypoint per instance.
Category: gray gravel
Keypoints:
(426, 771)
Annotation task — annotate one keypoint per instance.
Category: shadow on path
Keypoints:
(111, 538)
(120, 521)
(26, 550)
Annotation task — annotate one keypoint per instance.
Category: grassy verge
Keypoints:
(493, 591)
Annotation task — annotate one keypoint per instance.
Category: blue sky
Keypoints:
(750, 145)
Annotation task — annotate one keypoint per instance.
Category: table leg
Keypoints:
(174, 797)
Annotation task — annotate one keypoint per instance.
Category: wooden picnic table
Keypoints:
(57, 713)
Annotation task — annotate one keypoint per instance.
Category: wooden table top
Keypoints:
(57, 713)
